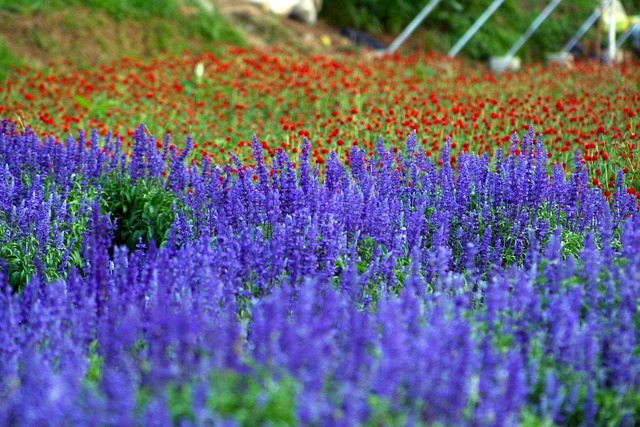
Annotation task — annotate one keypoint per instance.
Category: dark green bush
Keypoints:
(142, 209)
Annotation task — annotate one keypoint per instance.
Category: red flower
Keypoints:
(46, 119)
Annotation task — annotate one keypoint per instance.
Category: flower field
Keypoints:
(296, 240)
(283, 96)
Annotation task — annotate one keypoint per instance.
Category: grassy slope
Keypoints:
(95, 31)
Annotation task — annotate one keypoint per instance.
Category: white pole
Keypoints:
(412, 26)
(612, 35)
(583, 29)
(475, 27)
(533, 27)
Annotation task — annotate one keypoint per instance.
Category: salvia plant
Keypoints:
(391, 291)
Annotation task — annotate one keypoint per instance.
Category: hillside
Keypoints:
(96, 31)
(86, 33)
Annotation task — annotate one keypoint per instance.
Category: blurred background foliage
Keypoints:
(451, 18)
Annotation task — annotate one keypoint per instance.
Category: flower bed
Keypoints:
(400, 288)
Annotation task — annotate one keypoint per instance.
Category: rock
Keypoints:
(304, 10)
(363, 39)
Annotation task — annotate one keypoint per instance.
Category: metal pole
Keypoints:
(583, 29)
(623, 38)
(533, 27)
(412, 26)
(475, 27)
(611, 53)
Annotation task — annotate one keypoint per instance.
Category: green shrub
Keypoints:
(142, 209)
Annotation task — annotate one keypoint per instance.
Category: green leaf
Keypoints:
(137, 235)
(82, 101)
(150, 210)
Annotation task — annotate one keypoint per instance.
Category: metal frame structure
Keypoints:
(613, 46)
(475, 27)
(412, 26)
(533, 27)
(573, 41)
(611, 52)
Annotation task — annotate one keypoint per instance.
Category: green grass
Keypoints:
(117, 8)
(170, 26)
(8, 60)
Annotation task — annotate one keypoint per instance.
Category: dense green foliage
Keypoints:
(142, 210)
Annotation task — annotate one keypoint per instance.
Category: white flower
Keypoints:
(199, 72)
